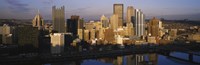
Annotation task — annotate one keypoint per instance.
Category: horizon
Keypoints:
(170, 9)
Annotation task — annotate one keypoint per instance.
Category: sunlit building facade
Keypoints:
(58, 17)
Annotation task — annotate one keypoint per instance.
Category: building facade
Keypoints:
(139, 23)
(38, 21)
(118, 9)
(58, 17)
(130, 13)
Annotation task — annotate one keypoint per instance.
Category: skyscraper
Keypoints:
(72, 24)
(154, 27)
(118, 9)
(139, 23)
(58, 15)
(130, 13)
(38, 21)
(114, 20)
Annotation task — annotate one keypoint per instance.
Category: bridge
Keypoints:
(165, 50)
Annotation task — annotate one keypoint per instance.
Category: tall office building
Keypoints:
(154, 27)
(72, 24)
(139, 23)
(58, 15)
(105, 21)
(118, 9)
(130, 13)
(38, 21)
(114, 20)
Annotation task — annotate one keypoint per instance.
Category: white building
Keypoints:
(119, 39)
(139, 23)
(58, 41)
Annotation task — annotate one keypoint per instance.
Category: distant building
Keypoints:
(173, 33)
(114, 20)
(109, 35)
(130, 29)
(6, 32)
(38, 21)
(59, 41)
(58, 15)
(72, 25)
(119, 39)
(105, 21)
(80, 33)
(92, 34)
(194, 37)
(155, 27)
(100, 33)
(130, 13)
(118, 9)
(151, 39)
(26, 35)
(6, 29)
(86, 35)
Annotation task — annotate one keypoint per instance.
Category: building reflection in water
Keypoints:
(153, 58)
(137, 59)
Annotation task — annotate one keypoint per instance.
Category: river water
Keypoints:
(136, 59)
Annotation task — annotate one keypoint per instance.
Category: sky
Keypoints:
(94, 9)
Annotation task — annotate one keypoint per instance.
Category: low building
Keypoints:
(7, 39)
(119, 39)
(151, 40)
(26, 35)
(194, 37)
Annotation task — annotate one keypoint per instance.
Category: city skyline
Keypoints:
(93, 9)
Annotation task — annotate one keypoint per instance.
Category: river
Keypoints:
(136, 59)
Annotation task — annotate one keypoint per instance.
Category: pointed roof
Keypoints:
(37, 20)
(103, 17)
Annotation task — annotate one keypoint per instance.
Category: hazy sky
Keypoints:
(93, 9)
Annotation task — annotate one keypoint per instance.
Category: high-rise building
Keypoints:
(58, 15)
(38, 21)
(119, 10)
(154, 27)
(114, 20)
(139, 23)
(75, 25)
(105, 21)
(130, 13)
(72, 24)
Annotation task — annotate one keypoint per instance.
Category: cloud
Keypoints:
(17, 5)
